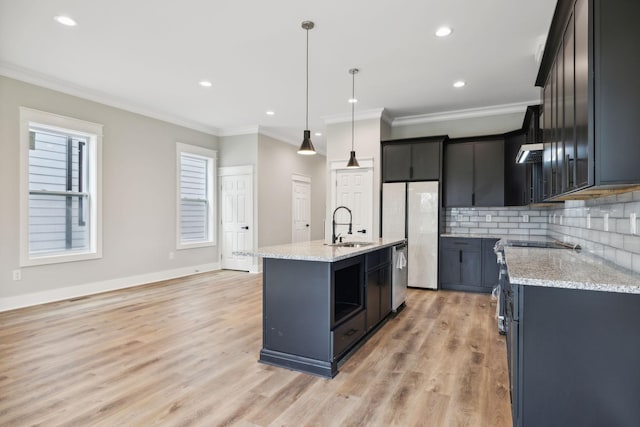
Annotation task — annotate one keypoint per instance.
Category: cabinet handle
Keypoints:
(410, 171)
(460, 256)
(350, 332)
(473, 199)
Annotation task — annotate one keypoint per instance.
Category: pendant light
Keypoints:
(306, 147)
(353, 162)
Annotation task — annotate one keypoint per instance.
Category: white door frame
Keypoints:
(299, 178)
(239, 170)
(334, 167)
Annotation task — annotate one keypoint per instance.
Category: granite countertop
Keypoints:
(565, 268)
(317, 250)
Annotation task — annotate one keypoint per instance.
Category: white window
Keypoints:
(195, 193)
(60, 188)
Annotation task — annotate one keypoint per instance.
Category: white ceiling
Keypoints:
(149, 55)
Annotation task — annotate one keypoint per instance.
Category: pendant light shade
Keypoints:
(353, 162)
(306, 148)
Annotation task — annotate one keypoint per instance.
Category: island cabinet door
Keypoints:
(373, 298)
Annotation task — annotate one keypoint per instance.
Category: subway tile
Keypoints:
(631, 243)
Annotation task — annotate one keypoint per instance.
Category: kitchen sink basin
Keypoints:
(352, 244)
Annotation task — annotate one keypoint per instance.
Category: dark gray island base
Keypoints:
(315, 312)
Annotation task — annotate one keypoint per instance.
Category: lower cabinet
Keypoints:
(378, 287)
(468, 264)
(573, 357)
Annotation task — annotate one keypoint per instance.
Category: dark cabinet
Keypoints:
(416, 159)
(474, 172)
(588, 74)
(378, 287)
(468, 264)
(572, 357)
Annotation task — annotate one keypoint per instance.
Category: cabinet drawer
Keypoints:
(347, 334)
(470, 244)
(377, 258)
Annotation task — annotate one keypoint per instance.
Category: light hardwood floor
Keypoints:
(184, 352)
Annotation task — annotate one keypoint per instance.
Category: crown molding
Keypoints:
(376, 113)
(470, 113)
(39, 79)
(241, 130)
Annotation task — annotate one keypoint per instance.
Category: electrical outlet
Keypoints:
(172, 255)
(606, 222)
(17, 275)
(488, 218)
(525, 218)
(634, 223)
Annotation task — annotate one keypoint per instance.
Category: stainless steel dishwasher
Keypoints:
(399, 276)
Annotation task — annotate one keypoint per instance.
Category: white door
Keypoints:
(301, 211)
(354, 189)
(237, 217)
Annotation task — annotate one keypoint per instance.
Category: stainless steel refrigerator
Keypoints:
(410, 210)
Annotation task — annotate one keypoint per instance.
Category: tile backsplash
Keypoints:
(608, 227)
(500, 220)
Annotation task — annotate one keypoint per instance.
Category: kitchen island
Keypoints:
(572, 338)
(321, 301)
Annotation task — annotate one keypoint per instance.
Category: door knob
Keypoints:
(363, 231)
(307, 225)
(246, 227)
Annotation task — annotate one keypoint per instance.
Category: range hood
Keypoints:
(530, 153)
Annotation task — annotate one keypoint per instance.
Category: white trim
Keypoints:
(40, 79)
(300, 178)
(67, 125)
(376, 113)
(243, 130)
(235, 170)
(366, 163)
(35, 298)
(470, 113)
(211, 157)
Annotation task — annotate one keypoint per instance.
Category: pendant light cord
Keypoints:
(353, 105)
(307, 120)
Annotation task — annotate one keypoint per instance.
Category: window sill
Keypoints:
(59, 258)
(181, 246)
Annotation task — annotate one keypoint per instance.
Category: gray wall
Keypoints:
(139, 193)
(277, 161)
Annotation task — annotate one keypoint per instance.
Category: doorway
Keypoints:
(301, 208)
(236, 216)
(352, 188)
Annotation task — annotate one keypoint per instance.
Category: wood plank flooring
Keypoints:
(184, 353)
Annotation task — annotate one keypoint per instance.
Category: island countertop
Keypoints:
(317, 250)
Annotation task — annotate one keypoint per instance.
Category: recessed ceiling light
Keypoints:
(270, 113)
(459, 83)
(318, 134)
(443, 31)
(352, 100)
(205, 83)
(65, 20)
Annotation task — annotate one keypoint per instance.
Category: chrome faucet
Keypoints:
(334, 223)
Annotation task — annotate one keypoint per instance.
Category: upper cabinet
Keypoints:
(416, 159)
(474, 172)
(588, 73)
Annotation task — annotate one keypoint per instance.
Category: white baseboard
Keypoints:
(59, 294)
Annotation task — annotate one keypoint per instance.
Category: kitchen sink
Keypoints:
(352, 244)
